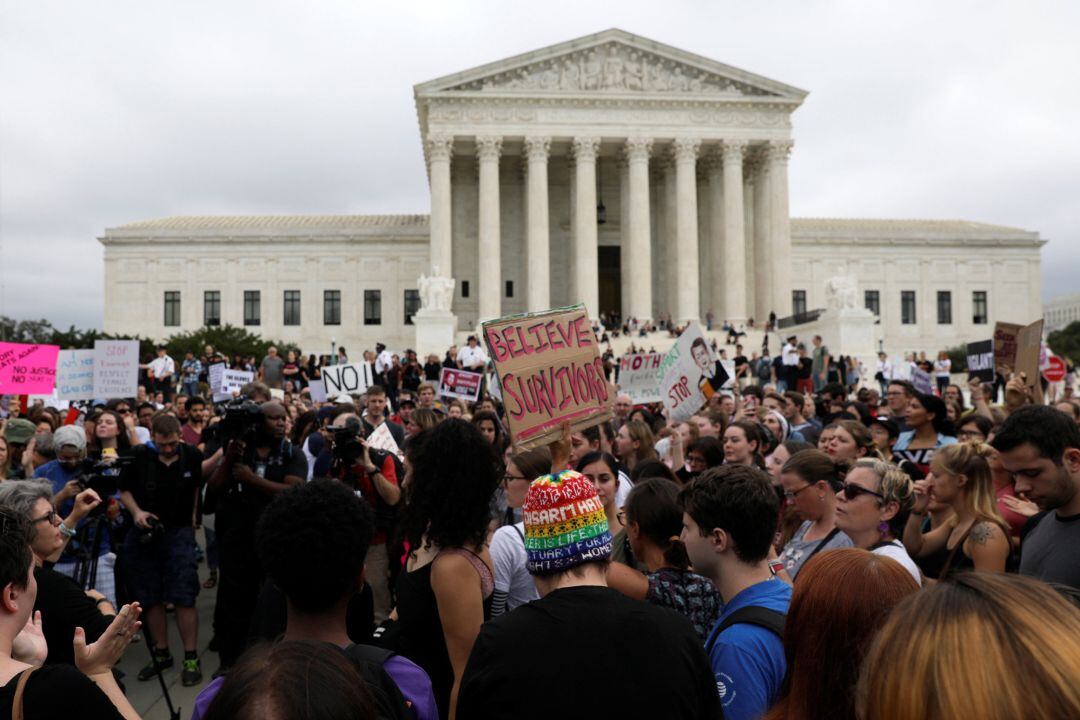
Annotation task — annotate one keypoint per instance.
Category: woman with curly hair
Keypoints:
(444, 595)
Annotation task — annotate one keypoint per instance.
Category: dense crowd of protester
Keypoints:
(813, 543)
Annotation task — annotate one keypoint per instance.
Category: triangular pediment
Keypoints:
(611, 62)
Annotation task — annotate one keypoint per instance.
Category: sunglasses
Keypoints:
(852, 491)
(50, 516)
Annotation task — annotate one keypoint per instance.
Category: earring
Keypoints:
(883, 527)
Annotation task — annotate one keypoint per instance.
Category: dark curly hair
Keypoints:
(450, 487)
(312, 540)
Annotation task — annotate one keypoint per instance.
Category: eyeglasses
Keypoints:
(508, 478)
(970, 435)
(852, 491)
(50, 516)
(791, 495)
(621, 517)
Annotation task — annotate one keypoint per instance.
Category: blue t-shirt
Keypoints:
(747, 660)
(59, 476)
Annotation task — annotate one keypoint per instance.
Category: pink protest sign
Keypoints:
(27, 369)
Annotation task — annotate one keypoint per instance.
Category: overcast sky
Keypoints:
(112, 112)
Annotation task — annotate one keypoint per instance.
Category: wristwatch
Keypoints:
(775, 566)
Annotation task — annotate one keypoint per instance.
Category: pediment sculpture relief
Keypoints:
(613, 68)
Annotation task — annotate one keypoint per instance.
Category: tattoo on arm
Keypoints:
(982, 532)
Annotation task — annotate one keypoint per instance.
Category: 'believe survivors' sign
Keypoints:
(550, 371)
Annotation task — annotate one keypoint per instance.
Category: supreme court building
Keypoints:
(611, 170)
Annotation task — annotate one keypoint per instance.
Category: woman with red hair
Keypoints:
(841, 600)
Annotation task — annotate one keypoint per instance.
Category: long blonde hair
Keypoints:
(972, 461)
(983, 645)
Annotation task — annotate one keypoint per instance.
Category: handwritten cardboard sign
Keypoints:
(1005, 345)
(352, 379)
(116, 368)
(689, 375)
(27, 369)
(75, 375)
(1028, 350)
(460, 384)
(233, 381)
(980, 360)
(637, 377)
(550, 372)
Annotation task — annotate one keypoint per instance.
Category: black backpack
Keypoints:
(390, 704)
(771, 620)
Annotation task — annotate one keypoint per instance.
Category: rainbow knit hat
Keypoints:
(565, 524)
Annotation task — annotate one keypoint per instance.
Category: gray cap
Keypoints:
(70, 435)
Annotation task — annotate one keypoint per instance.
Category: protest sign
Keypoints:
(213, 377)
(317, 391)
(460, 384)
(116, 368)
(1055, 370)
(921, 380)
(980, 360)
(637, 377)
(1028, 347)
(277, 394)
(381, 439)
(550, 371)
(233, 381)
(689, 375)
(75, 375)
(352, 379)
(28, 369)
(1005, 337)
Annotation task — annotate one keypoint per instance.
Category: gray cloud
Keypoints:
(120, 111)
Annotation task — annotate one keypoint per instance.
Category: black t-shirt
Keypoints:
(168, 491)
(58, 691)
(283, 459)
(742, 365)
(431, 371)
(520, 666)
(64, 606)
(806, 366)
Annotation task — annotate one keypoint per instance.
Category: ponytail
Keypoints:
(653, 505)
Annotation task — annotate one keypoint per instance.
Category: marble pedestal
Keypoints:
(845, 331)
(435, 330)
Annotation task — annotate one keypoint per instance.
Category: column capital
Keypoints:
(685, 149)
(537, 148)
(637, 149)
(779, 151)
(733, 150)
(585, 149)
(488, 147)
(439, 147)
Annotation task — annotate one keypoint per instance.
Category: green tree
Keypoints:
(226, 339)
(958, 356)
(1066, 342)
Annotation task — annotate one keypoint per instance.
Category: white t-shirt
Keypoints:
(384, 361)
(942, 367)
(511, 571)
(789, 355)
(470, 357)
(163, 367)
(897, 552)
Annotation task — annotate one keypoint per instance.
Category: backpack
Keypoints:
(396, 697)
(771, 620)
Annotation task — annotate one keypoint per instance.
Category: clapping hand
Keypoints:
(922, 496)
(85, 501)
(99, 657)
(1020, 505)
(29, 645)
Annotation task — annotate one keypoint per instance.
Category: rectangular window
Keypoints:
(944, 307)
(509, 288)
(252, 307)
(464, 288)
(292, 308)
(979, 312)
(872, 301)
(331, 307)
(172, 308)
(907, 307)
(412, 304)
(373, 307)
(798, 302)
(211, 307)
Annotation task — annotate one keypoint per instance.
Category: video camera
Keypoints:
(93, 475)
(240, 420)
(345, 442)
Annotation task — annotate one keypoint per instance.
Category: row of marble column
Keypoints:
(723, 162)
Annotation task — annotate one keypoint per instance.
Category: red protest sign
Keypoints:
(550, 371)
(460, 384)
(1055, 369)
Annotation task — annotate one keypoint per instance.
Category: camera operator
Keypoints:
(372, 473)
(159, 488)
(67, 475)
(259, 463)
